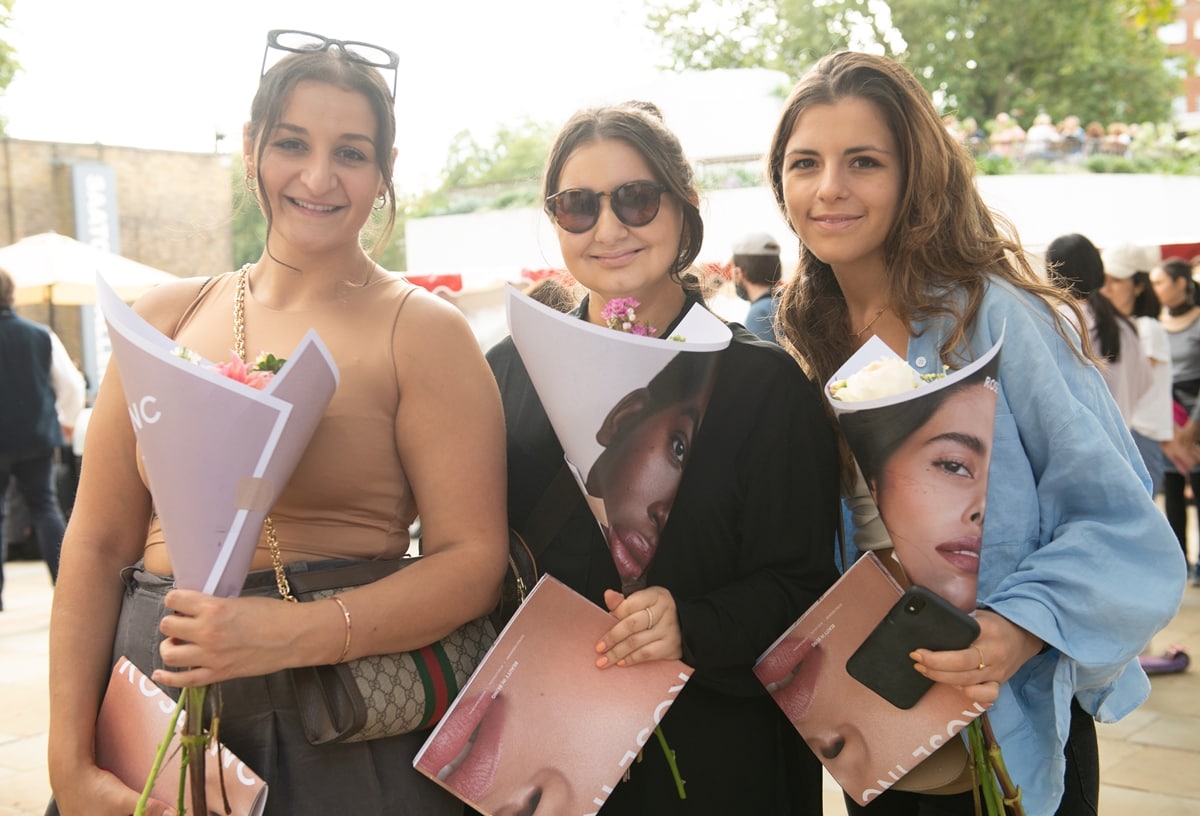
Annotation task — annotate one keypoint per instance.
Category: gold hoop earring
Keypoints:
(251, 183)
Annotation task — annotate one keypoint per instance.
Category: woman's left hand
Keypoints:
(214, 639)
(648, 629)
(980, 669)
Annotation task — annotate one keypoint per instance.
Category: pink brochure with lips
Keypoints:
(614, 399)
(866, 743)
(132, 722)
(217, 452)
(538, 724)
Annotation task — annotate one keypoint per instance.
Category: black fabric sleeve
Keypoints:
(777, 519)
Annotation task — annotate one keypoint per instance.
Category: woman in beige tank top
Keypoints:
(415, 424)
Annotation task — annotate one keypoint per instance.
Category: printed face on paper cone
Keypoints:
(647, 437)
(925, 458)
(932, 493)
(626, 410)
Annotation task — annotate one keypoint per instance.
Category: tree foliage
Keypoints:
(1096, 59)
(503, 173)
(9, 65)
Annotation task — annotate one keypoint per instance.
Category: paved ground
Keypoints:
(1150, 761)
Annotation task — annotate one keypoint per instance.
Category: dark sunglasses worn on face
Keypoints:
(635, 204)
(303, 42)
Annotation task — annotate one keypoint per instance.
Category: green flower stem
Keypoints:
(195, 744)
(992, 803)
(670, 755)
(1012, 792)
(181, 792)
(1001, 797)
(161, 754)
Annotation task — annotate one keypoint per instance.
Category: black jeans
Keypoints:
(1176, 504)
(34, 474)
(1082, 780)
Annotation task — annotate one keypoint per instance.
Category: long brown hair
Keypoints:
(944, 240)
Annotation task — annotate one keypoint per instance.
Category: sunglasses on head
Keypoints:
(300, 42)
(635, 204)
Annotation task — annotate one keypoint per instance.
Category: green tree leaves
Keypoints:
(1097, 59)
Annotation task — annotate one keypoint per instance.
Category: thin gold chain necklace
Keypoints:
(870, 323)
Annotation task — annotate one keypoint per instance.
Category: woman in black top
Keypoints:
(748, 544)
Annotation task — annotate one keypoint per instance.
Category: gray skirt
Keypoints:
(260, 725)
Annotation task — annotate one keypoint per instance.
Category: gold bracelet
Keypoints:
(346, 615)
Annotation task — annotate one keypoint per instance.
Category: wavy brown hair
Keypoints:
(945, 239)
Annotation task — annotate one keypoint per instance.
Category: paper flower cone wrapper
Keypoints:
(924, 449)
(603, 390)
(217, 453)
(924, 438)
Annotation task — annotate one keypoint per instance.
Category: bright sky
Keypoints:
(155, 74)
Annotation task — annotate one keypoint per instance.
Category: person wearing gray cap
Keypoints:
(756, 273)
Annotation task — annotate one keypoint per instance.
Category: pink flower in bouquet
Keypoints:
(257, 376)
(620, 314)
(238, 371)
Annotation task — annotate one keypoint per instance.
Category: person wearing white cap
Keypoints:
(1127, 285)
(1074, 263)
(756, 271)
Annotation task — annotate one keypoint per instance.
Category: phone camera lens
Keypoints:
(914, 606)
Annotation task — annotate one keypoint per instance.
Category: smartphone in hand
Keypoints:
(921, 619)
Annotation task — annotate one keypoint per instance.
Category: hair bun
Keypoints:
(645, 107)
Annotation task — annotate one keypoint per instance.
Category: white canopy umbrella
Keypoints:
(60, 271)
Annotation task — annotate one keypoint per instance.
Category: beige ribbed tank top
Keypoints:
(349, 497)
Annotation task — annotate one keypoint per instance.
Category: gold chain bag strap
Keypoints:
(377, 695)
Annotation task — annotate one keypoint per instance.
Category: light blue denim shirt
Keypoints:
(1074, 548)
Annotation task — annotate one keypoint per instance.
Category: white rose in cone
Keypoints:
(879, 379)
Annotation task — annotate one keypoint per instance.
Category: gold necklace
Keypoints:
(870, 323)
(239, 312)
(239, 348)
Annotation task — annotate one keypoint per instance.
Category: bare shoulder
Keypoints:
(163, 305)
(433, 317)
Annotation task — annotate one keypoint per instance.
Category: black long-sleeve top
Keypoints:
(747, 548)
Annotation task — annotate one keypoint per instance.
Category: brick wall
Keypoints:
(174, 209)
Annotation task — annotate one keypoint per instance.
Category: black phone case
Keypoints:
(921, 619)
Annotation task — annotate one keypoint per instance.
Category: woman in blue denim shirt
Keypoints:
(1079, 567)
